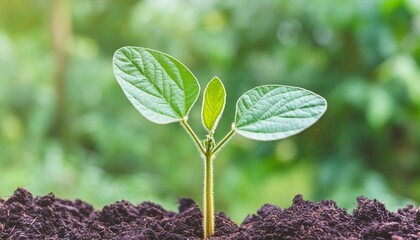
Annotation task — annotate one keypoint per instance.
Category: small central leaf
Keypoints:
(213, 103)
(274, 112)
(159, 86)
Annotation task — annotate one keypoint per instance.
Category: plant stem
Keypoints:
(193, 135)
(208, 151)
(208, 199)
(208, 218)
(224, 141)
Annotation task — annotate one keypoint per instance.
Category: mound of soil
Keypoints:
(24, 217)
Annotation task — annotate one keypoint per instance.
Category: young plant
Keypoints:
(163, 90)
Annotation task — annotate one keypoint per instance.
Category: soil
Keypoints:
(24, 217)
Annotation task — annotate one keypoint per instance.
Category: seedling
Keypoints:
(163, 90)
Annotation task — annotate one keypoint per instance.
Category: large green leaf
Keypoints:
(213, 103)
(160, 87)
(274, 112)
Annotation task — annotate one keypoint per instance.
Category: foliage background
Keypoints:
(67, 128)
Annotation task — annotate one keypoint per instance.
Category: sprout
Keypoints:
(163, 90)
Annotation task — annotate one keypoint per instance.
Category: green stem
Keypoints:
(208, 218)
(193, 135)
(224, 141)
(208, 151)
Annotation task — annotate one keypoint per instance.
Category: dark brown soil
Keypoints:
(24, 217)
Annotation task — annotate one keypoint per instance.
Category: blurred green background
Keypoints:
(66, 126)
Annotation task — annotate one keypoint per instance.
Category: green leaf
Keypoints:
(213, 104)
(160, 87)
(272, 112)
